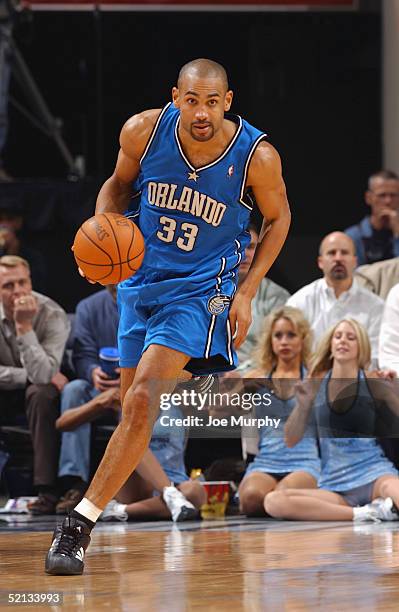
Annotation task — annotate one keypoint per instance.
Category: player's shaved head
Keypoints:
(203, 69)
(203, 98)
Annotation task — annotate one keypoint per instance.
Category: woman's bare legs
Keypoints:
(297, 480)
(254, 488)
(387, 486)
(252, 491)
(308, 505)
(141, 504)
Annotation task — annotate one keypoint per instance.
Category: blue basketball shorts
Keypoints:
(197, 326)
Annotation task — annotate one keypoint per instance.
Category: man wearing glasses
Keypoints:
(376, 237)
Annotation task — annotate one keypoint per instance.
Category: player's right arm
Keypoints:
(115, 194)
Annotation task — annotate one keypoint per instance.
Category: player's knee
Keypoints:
(136, 404)
(251, 501)
(275, 504)
(140, 396)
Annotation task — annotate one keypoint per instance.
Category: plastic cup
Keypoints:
(109, 360)
(218, 492)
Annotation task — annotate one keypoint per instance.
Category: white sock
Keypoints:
(87, 509)
(361, 513)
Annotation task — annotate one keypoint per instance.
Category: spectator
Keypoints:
(92, 395)
(354, 469)
(139, 499)
(33, 333)
(379, 277)
(327, 300)
(12, 242)
(95, 326)
(282, 355)
(389, 335)
(164, 461)
(376, 237)
(269, 296)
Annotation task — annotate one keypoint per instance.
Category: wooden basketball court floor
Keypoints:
(234, 564)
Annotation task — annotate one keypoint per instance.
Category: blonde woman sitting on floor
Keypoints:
(282, 354)
(357, 480)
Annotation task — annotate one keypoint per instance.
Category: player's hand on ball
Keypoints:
(108, 248)
(83, 275)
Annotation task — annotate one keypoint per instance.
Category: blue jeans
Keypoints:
(75, 445)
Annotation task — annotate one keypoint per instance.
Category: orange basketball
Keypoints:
(108, 248)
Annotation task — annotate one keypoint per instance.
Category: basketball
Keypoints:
(108, 248)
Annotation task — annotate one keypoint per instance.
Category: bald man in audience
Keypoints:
(337, 295)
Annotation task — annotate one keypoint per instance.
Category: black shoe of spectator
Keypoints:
(44, 504)
(68, 502)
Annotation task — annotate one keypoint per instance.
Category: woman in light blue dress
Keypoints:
(282, 355)
(357, 481)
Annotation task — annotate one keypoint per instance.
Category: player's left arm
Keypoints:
(265, 179)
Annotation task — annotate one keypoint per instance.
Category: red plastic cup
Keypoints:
(218, 497)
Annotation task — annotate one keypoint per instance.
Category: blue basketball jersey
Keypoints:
(194, 220)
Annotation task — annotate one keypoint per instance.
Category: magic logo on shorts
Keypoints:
(218, 303)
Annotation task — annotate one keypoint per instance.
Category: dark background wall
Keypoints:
(311, 80)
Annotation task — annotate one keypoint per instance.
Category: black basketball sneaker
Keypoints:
(66, 553)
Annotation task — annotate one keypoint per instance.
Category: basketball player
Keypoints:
(194, 166)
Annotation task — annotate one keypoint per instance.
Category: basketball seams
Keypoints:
(133, 258)
(131, 241)
(78, 260)
(89, 263)
(96, 265)
(90, 239)
(127, 240)
(117, 245)
(110, 265)
(129, 259)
